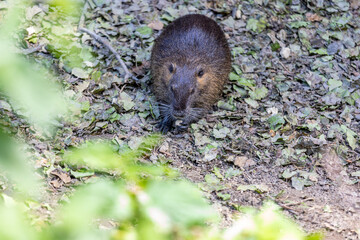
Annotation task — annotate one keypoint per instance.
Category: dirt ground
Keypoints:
(286, 128)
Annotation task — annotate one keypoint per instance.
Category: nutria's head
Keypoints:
(190, 63)
(186, 89)
(182, 84)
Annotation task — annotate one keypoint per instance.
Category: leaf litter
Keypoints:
(286, 128)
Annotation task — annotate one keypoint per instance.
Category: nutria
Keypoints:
(190, 63)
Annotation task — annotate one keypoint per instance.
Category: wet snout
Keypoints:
(179, 114)
(180, 101)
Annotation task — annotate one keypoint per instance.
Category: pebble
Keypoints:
(285, 52)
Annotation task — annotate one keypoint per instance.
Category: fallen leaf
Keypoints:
(31, 12)
(156, 25)
(80, 73)
(333, 167)
(244, 161)
(297, 183)
(82, 86)
(164, 148)
(210, 155)
(56, 183)
(261, 188)
(65, 177)
(313, 17)
(355, 4)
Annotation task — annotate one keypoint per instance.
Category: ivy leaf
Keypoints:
(276, 121)
(144, 32)
(259, 93)
(334, 84)
(80, 73)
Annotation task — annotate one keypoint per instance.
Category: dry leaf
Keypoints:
(243, 161)
(56, 183)
(355, 4)
(313, 17)
(65, 177)
(156, 25)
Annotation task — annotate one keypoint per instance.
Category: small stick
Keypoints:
(293, 211)
(32, 50)
(284, 66)
(107, 44)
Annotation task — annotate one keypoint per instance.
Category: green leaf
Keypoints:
(237, 69)
(276, 121)
(80, 73)
(232, 172)
(126, 18)
(275, 46)
(237, 50)
(355, 174)
(233, 76)
(351, 140)
(241, 81)
(252, 103)
(229, 105)
(343, 5)
(126, 101)
(334, 84)
(82, 173)
(337, 21)
(256, 25)
(260, 188)
(259, 93)
(299, 24)
(221, 133)
(218, 173)
(211, 179)
(181, 201)
(224, 197)
(85, 106)
(144, 32)
(320, 51)
(287, 174)
(350, 136)
(12, 219)
(101, 199)
(297, 183)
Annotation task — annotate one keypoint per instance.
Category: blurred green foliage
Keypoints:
(26, 84)
(144, 202)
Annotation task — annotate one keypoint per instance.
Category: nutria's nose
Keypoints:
(177, 107)
(178, 113)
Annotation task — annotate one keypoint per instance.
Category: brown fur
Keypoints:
(190, 63)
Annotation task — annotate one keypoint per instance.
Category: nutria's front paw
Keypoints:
(182, 127)
(165, 125)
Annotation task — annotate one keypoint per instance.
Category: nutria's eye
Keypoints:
(172, 89)
(192, 91)
(200, 73)
(171, 68)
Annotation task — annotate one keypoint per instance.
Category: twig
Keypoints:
(284, 66)
(32, 50)
(118, 89)
(293, 211)
(107, 44)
